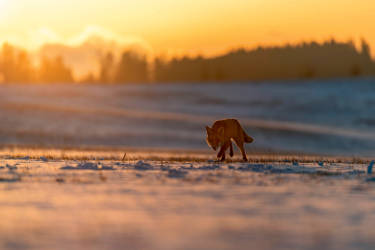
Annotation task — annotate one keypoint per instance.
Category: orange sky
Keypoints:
(186, 26)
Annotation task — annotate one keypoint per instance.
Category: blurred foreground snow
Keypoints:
(141, 204)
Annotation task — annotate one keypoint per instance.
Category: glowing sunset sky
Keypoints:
(187, 26)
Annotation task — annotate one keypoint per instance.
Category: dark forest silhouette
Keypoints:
(307, 60)
(302, 61)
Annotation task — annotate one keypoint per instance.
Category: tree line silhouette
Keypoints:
(17, 67)
(305, 60)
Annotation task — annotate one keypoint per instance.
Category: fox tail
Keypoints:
(247, 138)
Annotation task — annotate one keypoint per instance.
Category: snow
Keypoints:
(140, 165)
(42, 158)
(88, 166)
(319, 117)
(165, 204)
(369, 169)
(177, 173)
(134, 195)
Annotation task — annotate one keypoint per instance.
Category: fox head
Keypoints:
(214, 138)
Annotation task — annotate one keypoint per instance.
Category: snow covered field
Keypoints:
(64, 185)
(53, 201)
(334, 117)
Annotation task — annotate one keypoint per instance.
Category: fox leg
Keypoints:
(231, 150)
(222, 151)
(241, 147)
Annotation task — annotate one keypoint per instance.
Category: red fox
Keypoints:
(221, 134)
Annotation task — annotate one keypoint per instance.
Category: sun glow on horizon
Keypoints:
(206, 27)
(3, 5)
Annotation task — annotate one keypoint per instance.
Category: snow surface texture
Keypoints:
(321, 117)
(103, 204)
